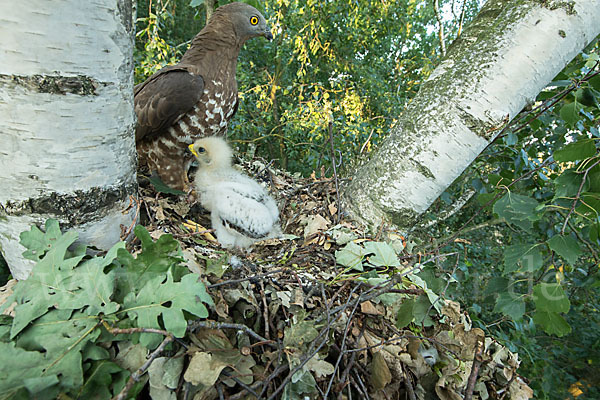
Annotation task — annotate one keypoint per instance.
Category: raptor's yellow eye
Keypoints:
(253, 20)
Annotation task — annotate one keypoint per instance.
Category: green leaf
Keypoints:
(510, 304)
(351, 256)
(566, 247)
(550, 297)
(300, 334)
(164, 298)
(579, 150)
(567, 184)
(160, 186)
(99, 380)
(518, 210)
(405, 313)
(570, 113)
(38, 242)
(196, 3)
(523, 257)
(384, 255)
(155, 259)
(63, 336)
(589, 205)
(552, 323)
(22, 372)
(56, 282)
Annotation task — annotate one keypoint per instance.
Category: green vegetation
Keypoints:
(530, 238)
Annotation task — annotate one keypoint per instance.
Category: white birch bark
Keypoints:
(67, 146)
(507, 55)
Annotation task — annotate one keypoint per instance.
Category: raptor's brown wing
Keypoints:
(164, 98)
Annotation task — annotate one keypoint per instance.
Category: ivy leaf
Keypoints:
(566, 247)
(384, 254)
(510, 304)
(524, 257)
(570, 113)
(351, 256)
(550, 297)
(167, 299)
(579, 150)
(517, 209)
(552, 323)
(300, 334)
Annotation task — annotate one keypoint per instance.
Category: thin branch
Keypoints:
(135, 377)
(477, 360)
(337, 189)
(438, 17)
(250, 278)
(577, 196)
(194, 325)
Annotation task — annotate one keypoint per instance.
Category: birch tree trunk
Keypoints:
(67, 123)
(507, 55)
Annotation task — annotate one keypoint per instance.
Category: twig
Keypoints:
(577, 196)
(135, 377)
(265, 309)
(250, 278)
(125, 234)
(117, 331)
(337, 189)
(438, 17)
(242, 384)
(409, 385)
(193, 325)
(477, 360)
(242, 393)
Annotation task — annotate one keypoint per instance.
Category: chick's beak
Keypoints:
(191, 147)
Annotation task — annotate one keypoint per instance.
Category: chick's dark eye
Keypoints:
(253, 20)
(200, 149)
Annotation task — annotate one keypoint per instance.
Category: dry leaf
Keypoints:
(315, 224)
(332, 209)
(368, 308)
(380, 372)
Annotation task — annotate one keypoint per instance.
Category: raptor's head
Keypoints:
(247, 21)
(212, 152)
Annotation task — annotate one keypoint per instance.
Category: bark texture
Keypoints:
(66, 120)
(507, 55)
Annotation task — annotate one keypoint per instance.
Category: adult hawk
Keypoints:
(196, 97)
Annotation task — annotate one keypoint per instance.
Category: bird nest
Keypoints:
(324, 312)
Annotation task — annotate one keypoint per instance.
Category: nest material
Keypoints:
(290, 322)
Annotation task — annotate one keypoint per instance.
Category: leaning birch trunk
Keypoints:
(509, 53)
(66, 120)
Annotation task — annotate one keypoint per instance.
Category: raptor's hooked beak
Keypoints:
(268, 35)
(191, 147)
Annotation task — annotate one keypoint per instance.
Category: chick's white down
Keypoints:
(242, 212)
